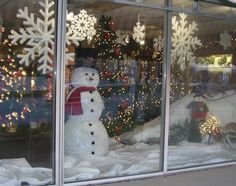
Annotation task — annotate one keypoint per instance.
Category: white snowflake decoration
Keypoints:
(38, 36)
(225, 40)
(139, 33)
(158, 43)
(183, 40)
(122, 38)
(82, 25)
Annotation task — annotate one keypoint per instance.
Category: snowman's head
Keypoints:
(84, 76)
(199, 98)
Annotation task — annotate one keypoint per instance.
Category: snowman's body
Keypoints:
(84, 132)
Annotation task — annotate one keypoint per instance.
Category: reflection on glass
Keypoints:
(26, 127)
(113, 102)
(184, 4)
(217, 9)
(202, 120)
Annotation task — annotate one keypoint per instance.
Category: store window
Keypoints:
(26, 92)
(202, 109)
(114, 90)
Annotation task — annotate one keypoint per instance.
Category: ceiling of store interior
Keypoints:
(125, 16)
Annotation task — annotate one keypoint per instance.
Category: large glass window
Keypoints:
(113, 102)
(114, 91)
(202, 110)
(26, 92)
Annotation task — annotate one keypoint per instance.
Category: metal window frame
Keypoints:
(59, 79)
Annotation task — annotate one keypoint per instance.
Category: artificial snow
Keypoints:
(121, 160)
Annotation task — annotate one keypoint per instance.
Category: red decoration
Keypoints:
(119, 129)
(49, 87)
(18, 74)
(26, 110)
(9, 60)
(2, 29)
(107, 36)
(107, 74)
(124, 104)
(111, 25)
(117, 51)
(73, 103)
(217, 131)
(199, 110)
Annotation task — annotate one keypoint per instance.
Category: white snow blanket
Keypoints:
(223, 109)
(121, 160)
(13, 172)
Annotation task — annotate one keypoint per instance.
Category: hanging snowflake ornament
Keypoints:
(183, 40)
(225, 40)
(122, 38)
(82, 25)
(158, 43)
(38, 37)
(139, 33)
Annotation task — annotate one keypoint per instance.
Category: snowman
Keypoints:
(85, 134)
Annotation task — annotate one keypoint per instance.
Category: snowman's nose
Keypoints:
(90, 79)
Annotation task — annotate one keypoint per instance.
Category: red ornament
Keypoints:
(18, 74)
(107, 36)
(49, 87)
(9, 60)
(26, 110)
(117, 51)
(111, 25)
(107, 74)
(119, 129)
(2, 29)
(124, 104)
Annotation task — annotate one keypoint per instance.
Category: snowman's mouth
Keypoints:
(90, 79)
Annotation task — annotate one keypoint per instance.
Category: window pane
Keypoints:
(217, 9)
(202, 110)
(113, 103)
(26, 125)
(184, 4)
(159, 2)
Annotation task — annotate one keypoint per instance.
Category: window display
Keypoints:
(125, 96)
(26, 93)
(203, 92)
(113, 97)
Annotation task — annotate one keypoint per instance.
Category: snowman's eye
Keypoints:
(93, 74)
(86, 74)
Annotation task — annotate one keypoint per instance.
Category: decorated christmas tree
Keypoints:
(138, 99)
(106, 40)
(13, 110)
(210, 127)
(24, 92)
